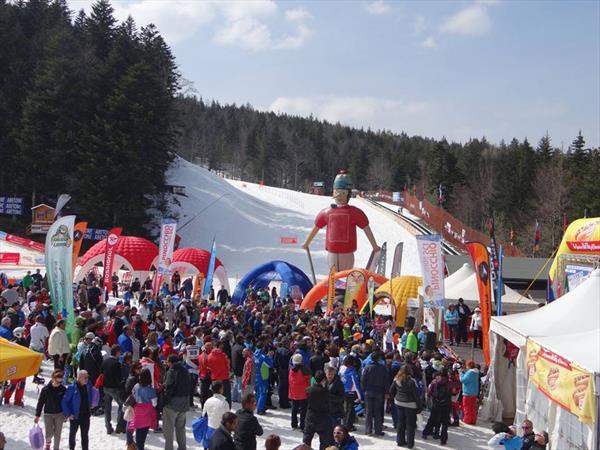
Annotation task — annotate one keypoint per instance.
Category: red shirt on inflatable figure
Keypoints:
(341, 221)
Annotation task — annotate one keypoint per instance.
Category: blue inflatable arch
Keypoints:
(261, 276)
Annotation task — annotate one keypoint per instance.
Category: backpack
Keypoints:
(441, 394)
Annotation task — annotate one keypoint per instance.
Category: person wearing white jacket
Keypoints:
(215, 407)
(476, 327)
(58, 345)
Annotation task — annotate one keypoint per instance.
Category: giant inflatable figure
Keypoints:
(341, 221)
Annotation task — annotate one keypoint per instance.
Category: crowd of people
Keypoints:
(158, 356)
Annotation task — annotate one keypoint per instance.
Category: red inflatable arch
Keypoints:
(319, 290)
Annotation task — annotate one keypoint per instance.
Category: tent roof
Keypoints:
(197, 257)
(460, 275)
(139, 252)
(570, 347)
(577, 311)
(17, 361)
(467, 290)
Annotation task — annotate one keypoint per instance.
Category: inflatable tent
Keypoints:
(319, 291)
(194, 261)
(403, 287)
(570, 328)
(137, 254)
(263, 275)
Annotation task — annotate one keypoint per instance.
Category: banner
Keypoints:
(354, 284)
(331, 288)
(28, 243)
(78, 234)
(371, 294)
(109, 256)
(59, 270)
(95, 234)
(62, 200)
(432, 265)
(166, 244)
(211, 269)
(561, 381)
(481, 263)
(9, 258)
(499, 282)
(12, 205)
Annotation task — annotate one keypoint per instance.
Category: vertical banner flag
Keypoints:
(331, 288)
(537, 237)
(211, 269)
(354, 284)
(62, 200)
(499, 283)
(371, 293)
(397, 261)
(59, 260)
(166, 243)
(78, 234)
(432, 265)
(109, 256)
(481, 263)
(382, 263)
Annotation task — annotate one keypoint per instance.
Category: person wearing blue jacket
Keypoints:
(76, 406)
(470, 392)
(452, 318)
(352, 390)
(262, 364)
(124, 340)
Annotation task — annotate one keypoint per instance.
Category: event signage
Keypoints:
(211, 269)
(12, 205)
(331, 289)
(371, 293)
(78, 234)
(288, 240)
(28, 243)
(354, 284)
(429, 248)
(166, 243)
(95, 234)
(109, 257)
(9, 258)
(561, 381)
(481, 261)
(59, 270)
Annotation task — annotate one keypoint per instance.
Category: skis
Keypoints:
(312, 267)
(397, 261)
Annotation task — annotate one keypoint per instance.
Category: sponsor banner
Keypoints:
(429, 248)
(371, 293)
(397, 197)
(12, 205)
(562, 381)
(288, 240)
(576, 275)
(109, 256)
(166, 244)
(481, 262)
(585, 246)
(331, 288)
(95, 234)
(21, 241)
(9, 258)
(59, 270)
(78, 234)
(211, 269)
(355, 282)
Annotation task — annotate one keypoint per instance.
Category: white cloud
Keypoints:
(472, 20)
(377, 8)
(419, 25)
(429, 42)
(297, 15)
(355, 111)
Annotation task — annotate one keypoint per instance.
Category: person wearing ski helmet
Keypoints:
(341, 220)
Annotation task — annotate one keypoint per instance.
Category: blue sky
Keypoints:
(459, 69)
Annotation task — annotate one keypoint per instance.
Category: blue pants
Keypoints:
(261, 396)
(237, 389)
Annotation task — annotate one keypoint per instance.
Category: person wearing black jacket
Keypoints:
(114, 385)
(134, 377)
(221, 438)
(281, 363)
(318, 418)
(92, 360)
(177, 402)
(463, 313)
(336, 394)
(375, 384)
(237, 366)
(440, 393)
(406, 398)
(248, 427)
(50, 401)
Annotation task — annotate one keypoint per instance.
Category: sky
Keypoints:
(454, 69)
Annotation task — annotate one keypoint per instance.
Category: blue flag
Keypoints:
(211, 270)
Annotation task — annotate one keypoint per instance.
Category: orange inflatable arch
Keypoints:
(319, 290)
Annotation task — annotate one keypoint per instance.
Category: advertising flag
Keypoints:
(355, 282)
(165, 252)
(371, 293)
(537, 237)
(429, 248)
(211, 269)
(499, 283)
(481, 262)
(331, 289)
(78, 234)
(59, 260)
(109, 256)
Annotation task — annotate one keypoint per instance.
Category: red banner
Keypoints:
(481, 262)
(584, 246)
(109, 256)
(288, 240)
(22, 242)
(9, 258)
(78, 233)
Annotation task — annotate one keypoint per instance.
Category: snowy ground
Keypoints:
(249, 220)
(15, 423)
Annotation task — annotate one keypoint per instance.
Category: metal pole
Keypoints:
(312, 267)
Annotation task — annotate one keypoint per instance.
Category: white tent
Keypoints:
(460, 275)
(570, 327)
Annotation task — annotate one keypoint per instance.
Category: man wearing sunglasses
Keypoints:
(528, 434)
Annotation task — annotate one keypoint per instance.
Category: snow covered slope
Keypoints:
(249, 221)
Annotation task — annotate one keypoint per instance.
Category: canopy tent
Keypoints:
(263, 275)
(399, 289)
(137, 254)
(569, 327)
(17, 361)
(193, 261)
(458, 276)
(319, 291)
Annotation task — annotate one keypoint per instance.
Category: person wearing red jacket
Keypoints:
(219, 366)
(299, 382)
(148, 363)
(204, 372)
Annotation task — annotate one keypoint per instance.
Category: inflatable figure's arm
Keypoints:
(371, 238)
(310, 237)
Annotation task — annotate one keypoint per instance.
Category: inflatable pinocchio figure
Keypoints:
(341, 221)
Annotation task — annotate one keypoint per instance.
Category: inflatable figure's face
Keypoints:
(341, 196)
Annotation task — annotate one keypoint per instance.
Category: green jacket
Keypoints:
(412, 343)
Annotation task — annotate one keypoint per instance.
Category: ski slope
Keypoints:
(249, 221)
